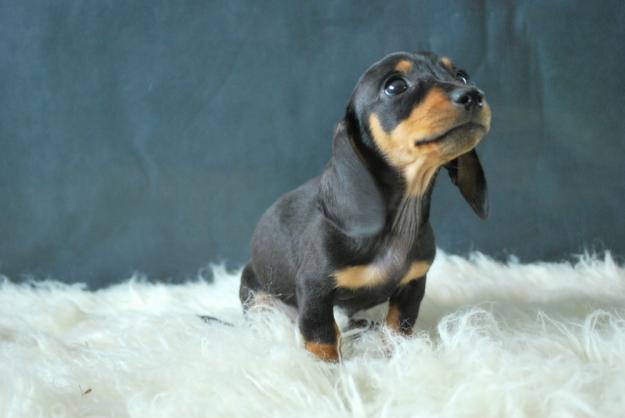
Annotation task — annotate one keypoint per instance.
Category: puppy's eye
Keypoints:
(395, 86)
(463, 76)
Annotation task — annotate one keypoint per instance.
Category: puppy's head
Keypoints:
(418, 112)
(419, 108)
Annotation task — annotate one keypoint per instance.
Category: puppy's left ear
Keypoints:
(349, 197)
(466, 172)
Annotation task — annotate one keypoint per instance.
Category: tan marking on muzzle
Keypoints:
(418, 163)
(432, 115)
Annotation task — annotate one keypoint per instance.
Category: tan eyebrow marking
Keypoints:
(404, 66)
(447, 63)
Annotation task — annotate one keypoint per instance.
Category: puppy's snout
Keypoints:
(468, 97)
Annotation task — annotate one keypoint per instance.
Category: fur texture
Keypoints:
(493, 339)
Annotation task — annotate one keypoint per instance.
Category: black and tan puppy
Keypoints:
(359, 234)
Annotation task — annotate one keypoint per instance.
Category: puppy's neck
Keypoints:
(406, 191)
(409, 213)
(418, 176)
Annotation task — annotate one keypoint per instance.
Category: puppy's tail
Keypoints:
(210, 319)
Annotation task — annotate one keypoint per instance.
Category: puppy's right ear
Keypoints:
(467, 173)
(348, 196)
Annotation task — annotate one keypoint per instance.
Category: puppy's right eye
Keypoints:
(463, 76)
(395, 85)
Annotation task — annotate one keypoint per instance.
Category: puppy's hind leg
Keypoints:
(249, 287)
(251, 292)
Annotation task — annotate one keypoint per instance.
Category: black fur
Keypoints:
(357, 212)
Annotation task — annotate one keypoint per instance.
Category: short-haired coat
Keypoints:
(359, 234)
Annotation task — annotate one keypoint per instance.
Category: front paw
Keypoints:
(326, 352)
(395, 322)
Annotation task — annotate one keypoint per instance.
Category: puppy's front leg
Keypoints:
(316, 323)
(404, 306)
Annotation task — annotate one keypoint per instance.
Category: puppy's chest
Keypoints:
(389, 268)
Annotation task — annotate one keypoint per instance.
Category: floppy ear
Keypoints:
(466, 172)
(348, 195)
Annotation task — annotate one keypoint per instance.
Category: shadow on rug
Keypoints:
(493, 340)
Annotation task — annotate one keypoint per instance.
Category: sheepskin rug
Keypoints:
(493, 340)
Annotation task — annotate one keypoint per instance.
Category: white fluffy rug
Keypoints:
(493, 340)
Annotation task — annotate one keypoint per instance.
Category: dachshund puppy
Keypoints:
(359, 234)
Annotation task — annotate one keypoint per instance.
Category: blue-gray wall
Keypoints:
(151, 135)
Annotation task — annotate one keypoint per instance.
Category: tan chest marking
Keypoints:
(360, 276)
(417, 270)
(371, 275)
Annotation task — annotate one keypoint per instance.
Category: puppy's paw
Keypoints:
(326, 352)
(395, 323)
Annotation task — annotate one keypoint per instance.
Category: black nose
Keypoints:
(468, 97)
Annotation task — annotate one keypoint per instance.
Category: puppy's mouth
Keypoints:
(468, 128)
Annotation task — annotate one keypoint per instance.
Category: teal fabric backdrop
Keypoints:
(151, 135)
